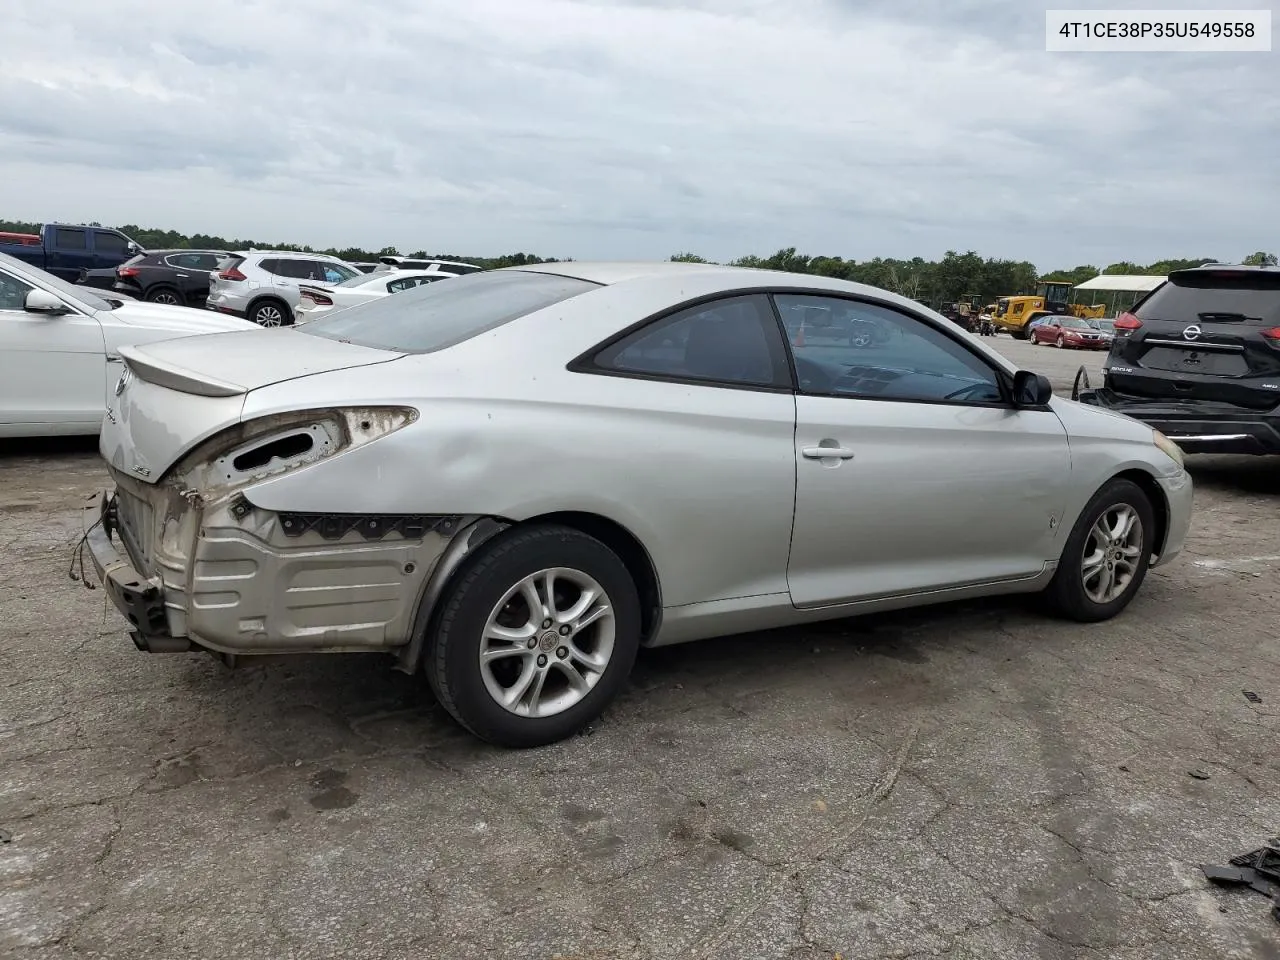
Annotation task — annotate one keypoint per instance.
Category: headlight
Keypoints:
(1168, 446)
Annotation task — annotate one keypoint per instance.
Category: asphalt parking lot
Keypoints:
(972, 781)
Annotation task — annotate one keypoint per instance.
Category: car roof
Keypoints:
(170, 251)
(300, 254)
(727, 277)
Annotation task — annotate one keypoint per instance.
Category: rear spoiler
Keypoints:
(175, 377)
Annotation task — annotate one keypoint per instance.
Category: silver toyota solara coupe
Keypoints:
(514, 480)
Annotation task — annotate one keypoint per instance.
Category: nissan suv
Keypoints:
(1198, 359)
(262, 285)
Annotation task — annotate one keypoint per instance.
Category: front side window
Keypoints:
(436, 316)
(13, 292)
(111, 243)
(731, 341)
(872, 352)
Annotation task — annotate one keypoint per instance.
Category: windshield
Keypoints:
(439, 315)
(1072, 323)
(81, 293)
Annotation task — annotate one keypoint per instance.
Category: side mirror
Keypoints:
(1031, 389)
(42, 301)
(131, 247)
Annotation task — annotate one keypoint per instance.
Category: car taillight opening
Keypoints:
(231, 274)
(1127, 323)
(317, 298)
(127, 272)
(1272, 336)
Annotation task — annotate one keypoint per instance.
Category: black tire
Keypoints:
(453, 654)
(164, 295)
(1066, 593)
(270, 313)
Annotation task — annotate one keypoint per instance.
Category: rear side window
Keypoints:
(270, 266)
(435, 316)
(1215, 296)
(70, 239)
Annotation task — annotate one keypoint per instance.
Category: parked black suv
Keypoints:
(1198, 359)
(169, 276)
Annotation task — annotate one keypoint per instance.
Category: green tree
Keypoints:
(686, 258)
(1260, 259)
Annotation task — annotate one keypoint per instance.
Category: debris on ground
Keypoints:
(1251, 696)
(1198, 774)
(1259, 870)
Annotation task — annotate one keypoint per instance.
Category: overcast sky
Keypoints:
(608, 129)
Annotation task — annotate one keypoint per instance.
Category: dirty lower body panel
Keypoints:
(234, 579)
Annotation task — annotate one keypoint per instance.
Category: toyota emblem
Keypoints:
(1191, 333)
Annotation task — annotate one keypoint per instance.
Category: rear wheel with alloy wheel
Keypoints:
(270, 313)
(535, 637)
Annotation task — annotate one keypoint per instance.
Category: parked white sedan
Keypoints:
(59, 348)
(513, 480)
(316, 301)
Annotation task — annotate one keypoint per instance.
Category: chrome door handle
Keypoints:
(823, 453)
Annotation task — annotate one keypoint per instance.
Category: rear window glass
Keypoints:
(439, 315)
(1221, 296)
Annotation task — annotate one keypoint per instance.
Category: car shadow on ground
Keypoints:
(313, 706)
(1259, 476)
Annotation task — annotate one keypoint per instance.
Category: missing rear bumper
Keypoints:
(234, 579)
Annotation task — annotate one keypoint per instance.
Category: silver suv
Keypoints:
(262, 285)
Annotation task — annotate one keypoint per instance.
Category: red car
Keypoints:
(1069, 332)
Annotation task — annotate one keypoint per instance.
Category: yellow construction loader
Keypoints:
(1015, 315)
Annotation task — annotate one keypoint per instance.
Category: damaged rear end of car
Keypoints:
(193, 563)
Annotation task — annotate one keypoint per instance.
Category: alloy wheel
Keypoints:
(1111, 554)
(547, 642)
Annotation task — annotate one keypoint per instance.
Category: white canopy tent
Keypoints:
(1122, 283)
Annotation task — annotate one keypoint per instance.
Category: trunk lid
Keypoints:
(176, 394)
(1203, 336)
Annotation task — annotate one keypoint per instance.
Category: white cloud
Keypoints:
(615, 129)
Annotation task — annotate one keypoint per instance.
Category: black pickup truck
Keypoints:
(66, 249)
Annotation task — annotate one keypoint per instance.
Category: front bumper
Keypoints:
(1178, 494)
(1198, 426)
(231, 578)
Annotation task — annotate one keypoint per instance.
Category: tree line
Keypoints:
(955, 276)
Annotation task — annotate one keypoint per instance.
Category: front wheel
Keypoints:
(535, 638)
(1106, 556)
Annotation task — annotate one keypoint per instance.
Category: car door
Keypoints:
(51, 366)
(68, 252)
(191, 272)
(710, 386)
(109, 249)
(913, 470)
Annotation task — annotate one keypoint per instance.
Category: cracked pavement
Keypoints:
(972, 781)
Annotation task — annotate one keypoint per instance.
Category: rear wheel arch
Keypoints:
(158, 289)
(630, 551)
(625, 544)
(286, 312)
